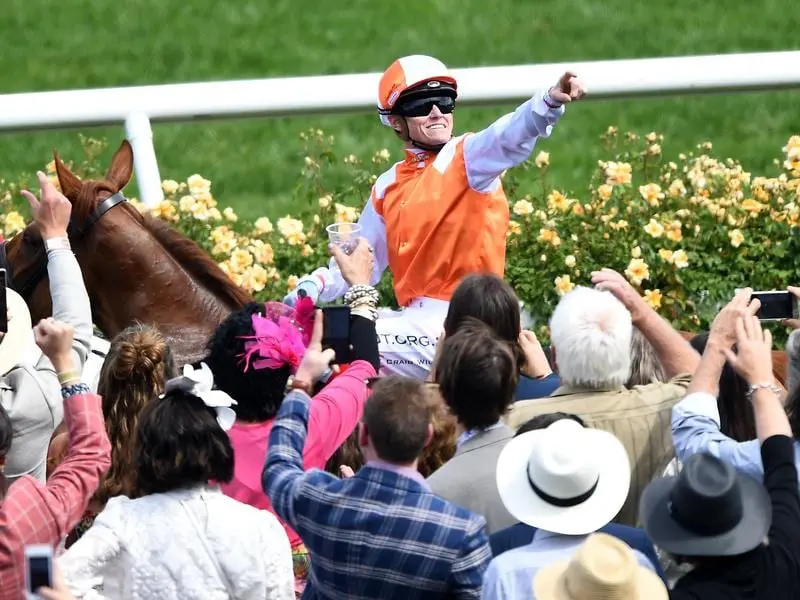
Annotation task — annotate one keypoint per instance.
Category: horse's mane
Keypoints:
(196, 262)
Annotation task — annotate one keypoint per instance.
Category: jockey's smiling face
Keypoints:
(435, 128)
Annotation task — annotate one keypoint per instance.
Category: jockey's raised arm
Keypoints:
(509, 141)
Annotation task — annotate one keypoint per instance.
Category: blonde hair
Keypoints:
(134, 372)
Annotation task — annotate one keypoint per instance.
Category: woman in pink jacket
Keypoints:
(253, 355)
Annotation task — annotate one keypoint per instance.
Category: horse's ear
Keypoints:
(69, 182)
(121, 169)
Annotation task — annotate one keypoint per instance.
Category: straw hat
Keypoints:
(603, 568)
(19, 336)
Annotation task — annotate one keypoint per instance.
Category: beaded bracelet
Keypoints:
(360, 291)
(74, 390)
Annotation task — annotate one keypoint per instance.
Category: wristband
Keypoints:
(57, 243)
(69, 376)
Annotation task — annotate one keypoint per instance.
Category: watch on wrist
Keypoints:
(57, 243)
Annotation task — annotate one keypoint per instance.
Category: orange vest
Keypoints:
(439, 229)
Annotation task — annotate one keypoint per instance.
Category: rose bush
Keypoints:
(685, 231)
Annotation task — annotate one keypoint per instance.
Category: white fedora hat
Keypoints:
(19, 337)
(603, 568)
(566, 478)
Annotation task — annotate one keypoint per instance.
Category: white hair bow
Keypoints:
(199, 383)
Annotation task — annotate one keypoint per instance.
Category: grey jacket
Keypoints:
(30, 391)
(468, 479)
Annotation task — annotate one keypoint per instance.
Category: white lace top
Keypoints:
(150, 549)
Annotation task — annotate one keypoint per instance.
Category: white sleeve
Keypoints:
(507, 142)
(84, 562)
(374, 230)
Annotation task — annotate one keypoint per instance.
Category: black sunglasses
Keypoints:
(422, 107)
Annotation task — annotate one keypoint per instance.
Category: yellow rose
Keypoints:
(751, 206)
(255, 278)
(325, 201)
(346, 214)
(306, 250)
(637, 271)
(677, 189)
(263, 225)
(674, 232)
(651, 193)
(557, 201)
(636, 252)
(198, 185)
(736, 237)
(569, 261)
(653, 298)
(542, 159)
(201, 212)
(213, 213)
(577, 209)
(262, 252)
(224, 246)
(563, 285)
(169, 186)
(240, 259)
(50, 168)
(522, 208)
(618, 173)
(680, 259)
(186, 203)
(229, 214)
(291, 282)
(654, 228)
(514, 228)
(287, 226)
(604, 191)
(14, 223)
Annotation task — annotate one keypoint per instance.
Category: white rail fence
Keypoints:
(137, 107)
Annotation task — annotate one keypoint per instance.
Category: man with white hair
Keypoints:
(591, 333)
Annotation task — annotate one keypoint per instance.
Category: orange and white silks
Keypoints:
(434, 218)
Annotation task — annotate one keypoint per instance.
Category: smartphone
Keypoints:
(3, 303)
(776, 305)
(336, 331)
(38, 569)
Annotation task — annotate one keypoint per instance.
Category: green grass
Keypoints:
(255, 163)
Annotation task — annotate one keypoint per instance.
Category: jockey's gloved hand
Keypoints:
(309, 286)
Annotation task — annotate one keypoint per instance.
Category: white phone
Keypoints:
(38, 569)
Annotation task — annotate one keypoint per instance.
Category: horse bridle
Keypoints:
(74, 231)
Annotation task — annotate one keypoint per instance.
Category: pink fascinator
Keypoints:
(278, 339)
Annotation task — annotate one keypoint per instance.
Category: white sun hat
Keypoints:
(565, 479)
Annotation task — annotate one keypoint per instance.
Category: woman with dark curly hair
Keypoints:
(253, 354)
(180, 537)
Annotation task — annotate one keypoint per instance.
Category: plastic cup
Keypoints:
(344, 235)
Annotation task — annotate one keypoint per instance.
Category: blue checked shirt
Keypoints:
(379, 534)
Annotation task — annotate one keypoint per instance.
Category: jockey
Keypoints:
(441, 213)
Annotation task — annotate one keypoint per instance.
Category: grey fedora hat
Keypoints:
(707, 510)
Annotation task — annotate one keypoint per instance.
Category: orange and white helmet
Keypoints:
(425, 73)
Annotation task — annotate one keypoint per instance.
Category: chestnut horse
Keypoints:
(135, 267)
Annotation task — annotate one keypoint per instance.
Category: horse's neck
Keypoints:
(154, 288)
